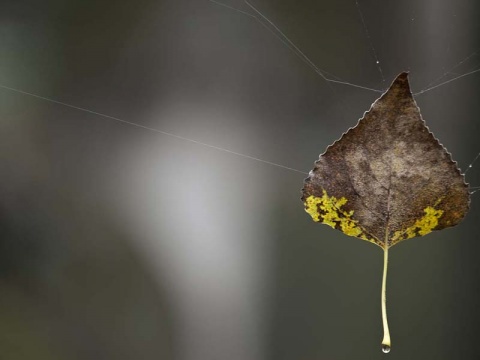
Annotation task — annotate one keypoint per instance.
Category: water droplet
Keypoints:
(378, 62)
(386, 349)
(470, 165)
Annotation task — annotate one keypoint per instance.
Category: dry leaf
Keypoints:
(387, 179)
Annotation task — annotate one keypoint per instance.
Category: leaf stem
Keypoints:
(386, 333)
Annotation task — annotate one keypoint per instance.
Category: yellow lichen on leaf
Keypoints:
(422, 226)
(311, 207)
(331, 214)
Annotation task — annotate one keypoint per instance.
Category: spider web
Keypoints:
(465, 67)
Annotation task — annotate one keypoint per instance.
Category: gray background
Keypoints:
(123, 243)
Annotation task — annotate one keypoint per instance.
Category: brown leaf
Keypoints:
(388, 178)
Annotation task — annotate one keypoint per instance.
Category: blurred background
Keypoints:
(118, 242)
